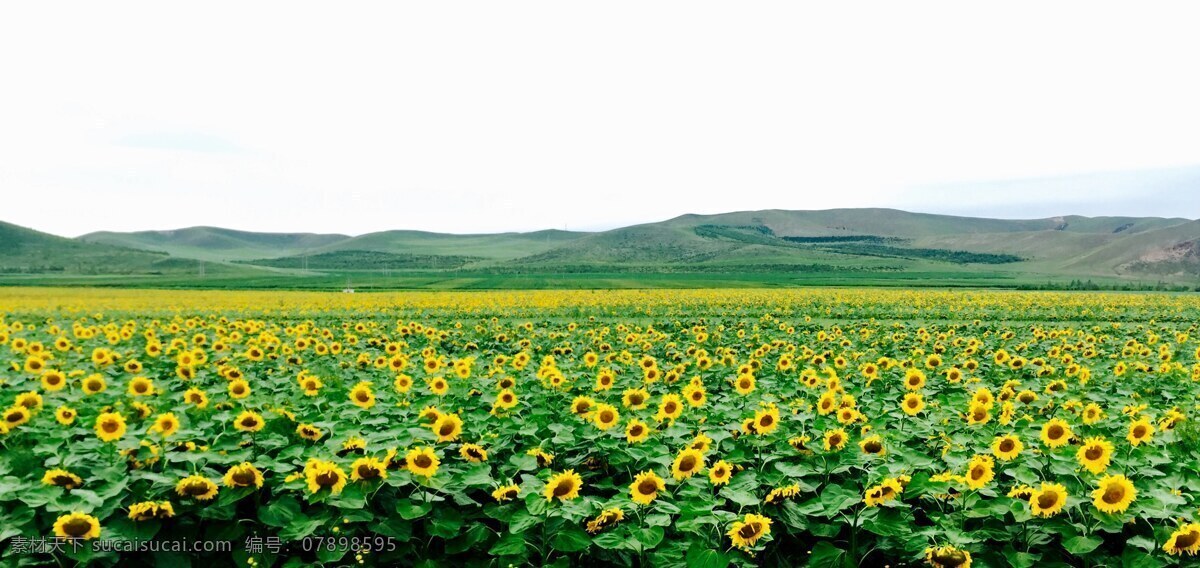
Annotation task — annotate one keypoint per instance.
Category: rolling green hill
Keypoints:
(28, 252)
(212, 243)
(830, 246)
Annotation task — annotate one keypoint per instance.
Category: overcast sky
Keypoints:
(490, 116)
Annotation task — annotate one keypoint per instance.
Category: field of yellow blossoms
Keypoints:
(668, 428)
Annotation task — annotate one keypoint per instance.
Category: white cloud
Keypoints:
(487, 116)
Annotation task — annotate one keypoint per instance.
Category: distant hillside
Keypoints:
(366, 260)
(214, 243)
(26, 251)
(832, 245)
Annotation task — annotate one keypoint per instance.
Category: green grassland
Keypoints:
(870, 247)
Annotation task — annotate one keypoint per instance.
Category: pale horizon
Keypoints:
(543, 115)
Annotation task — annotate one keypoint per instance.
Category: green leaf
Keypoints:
(509, 545)
(570, 539)
(825, 554)
(1081, 545)
(480, 475)
(409, 510)
(702, 557)
(649, 537)
(521, 521)
(279, 512)
(611, 541)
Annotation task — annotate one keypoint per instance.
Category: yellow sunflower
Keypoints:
(564, 485)
(1114, 494)
(1095, 454)
(17, 415)
(323, 474)
(166, 424)
(636, 431)
(689, 462)
(1007, 447)
(1185, 540)
(506, 399)
(422, 461)
(243, 475)
(912, 404)
(980, 471)
(720, 473)
(362, 396)
(835, 439)
(947, 557)
(110, 426)
(506, 493)
(77, 526)
(249, 421)
(669, 408)
(53, 380)
(473, 453)
(635, 399)
(1048, 500)
(645, 487)
(197, 487)
(368, 469)
(448, 428)
(747, 532)
(1056, 433)
(309, 432)
(888, 490)
(1140, 432)
(61, 478)
(606, 416)
(65, 415)
(872, 445)
(766, 421)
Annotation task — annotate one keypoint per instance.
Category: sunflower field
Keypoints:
(700, 428)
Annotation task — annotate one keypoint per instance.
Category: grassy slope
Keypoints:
(729, 248)
(211, 243)
(500, 246)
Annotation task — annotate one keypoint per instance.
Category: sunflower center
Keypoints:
(1139, 431)
(243, 477)
(636, 431)
(766, 420)
(13, 417)
(1187, 540)
(327, 479)
(977, 473)
(669, 408)
(647, 487)
(1094, 453)
(1055, 432)
(606, 416)
(748, 531)
(77, 527)
(1047, 500)
(688, 463)
(361, 396)
(873, 447)
(563, 488)
(446, 429)
(249, 422)
(1006, 445)
(1114, 494)
(422, 461)
(109, 426)
(63, 480)
(194, 488)
(367, 472)
(950, 558)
